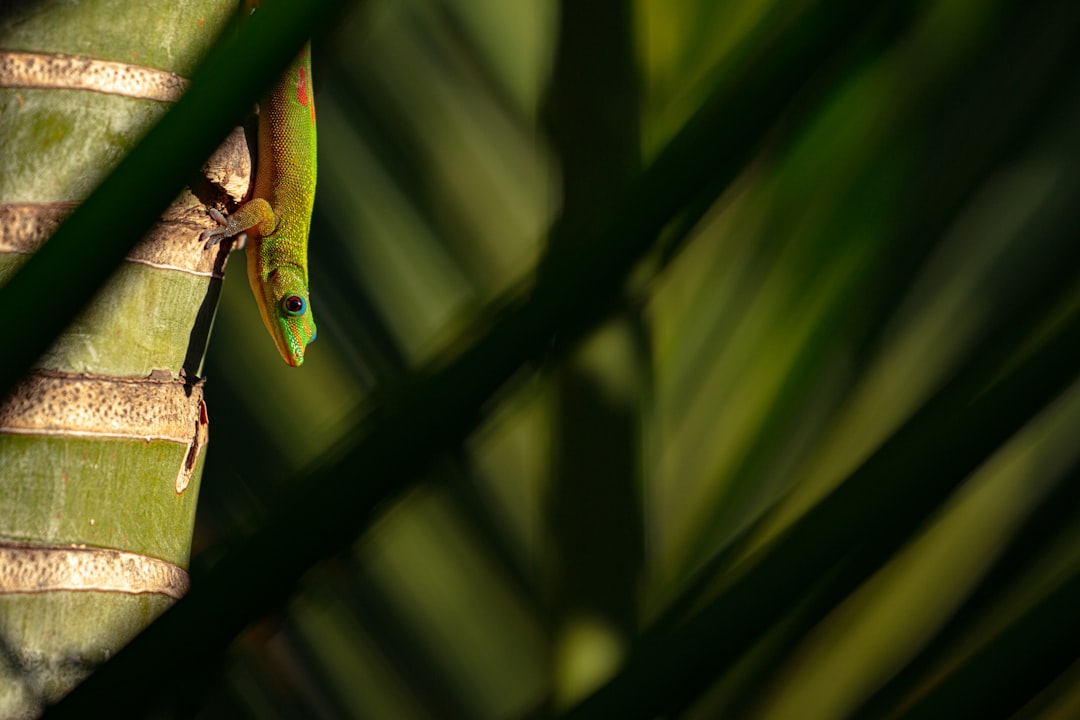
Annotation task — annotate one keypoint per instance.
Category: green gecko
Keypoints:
(277, 218)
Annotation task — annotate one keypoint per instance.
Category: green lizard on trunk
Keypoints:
(277, 218)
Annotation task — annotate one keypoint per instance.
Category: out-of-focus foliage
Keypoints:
(855, 311)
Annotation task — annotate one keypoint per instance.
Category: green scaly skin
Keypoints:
(278, 217)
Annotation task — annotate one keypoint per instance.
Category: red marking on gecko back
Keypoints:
(301, 88)
(303, 94)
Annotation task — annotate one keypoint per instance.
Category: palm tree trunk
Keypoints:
(101, 446)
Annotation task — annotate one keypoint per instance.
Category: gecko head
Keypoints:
(286, 312)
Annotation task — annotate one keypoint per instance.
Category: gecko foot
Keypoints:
(213, 236)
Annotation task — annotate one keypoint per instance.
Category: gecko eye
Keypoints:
(294, 305)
